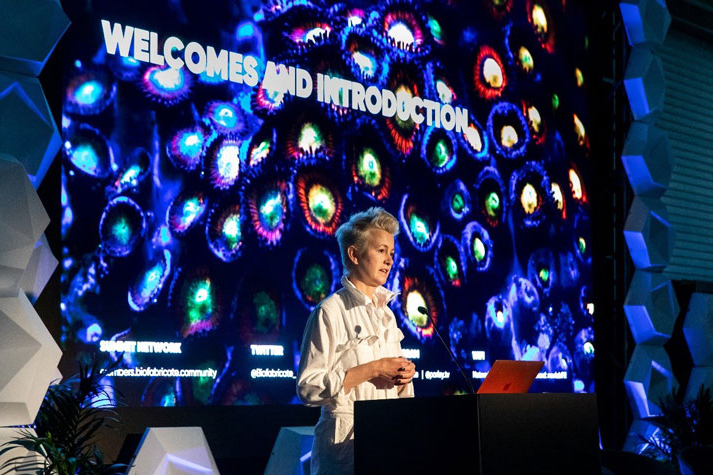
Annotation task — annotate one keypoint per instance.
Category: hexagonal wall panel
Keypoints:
(649, 234)
(22, 221)
(651, 307)
(291, 451)
(644, 83)
(56, 377)
(39, 270)
(647, 159)
(24, 459)
(173, 450)
(645, 21)
(26, 49)
(700, 376)
(648, 379)
(27, 128)
(698, 329)
(29, 358)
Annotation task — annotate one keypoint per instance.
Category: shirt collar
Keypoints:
(382, 294)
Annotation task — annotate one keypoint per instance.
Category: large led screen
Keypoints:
(211, 150)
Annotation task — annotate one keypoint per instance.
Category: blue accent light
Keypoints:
(225, 116)
(244, 101)
(469, 36)
(94, 332)
(149, 283)
(191, 209)
(245, 30)
(67, 218)
(63, 195)
(122, 226)
(131, 174)
(271, 206)
(166, 86)
(167, 79)
(129, 61)
(499, 320)
(89, 92)
(85, 157)
(191, 143)
(165, 235)
(205, 78)
(89, 152)
(168, 400)
(498, 316)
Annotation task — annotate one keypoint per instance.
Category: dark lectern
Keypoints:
(482, 434)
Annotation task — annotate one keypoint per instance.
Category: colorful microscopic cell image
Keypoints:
(202, 190)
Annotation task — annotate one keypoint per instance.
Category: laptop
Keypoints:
(510, 377)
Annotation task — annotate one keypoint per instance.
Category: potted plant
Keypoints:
(686, 431)
(66, 427)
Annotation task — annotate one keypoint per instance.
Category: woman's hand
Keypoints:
(397, 370)
(393, 371)
(405, 376)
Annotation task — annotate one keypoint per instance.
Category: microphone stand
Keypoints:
(424, 311)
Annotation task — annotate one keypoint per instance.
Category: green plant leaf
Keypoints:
(67, 425)
(682, 423)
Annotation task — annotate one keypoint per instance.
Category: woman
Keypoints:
(351, 348)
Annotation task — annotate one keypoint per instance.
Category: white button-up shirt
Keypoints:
(345, 330)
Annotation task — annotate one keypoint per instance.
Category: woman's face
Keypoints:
(374, 263)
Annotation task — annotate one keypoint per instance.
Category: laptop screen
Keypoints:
(510, 377)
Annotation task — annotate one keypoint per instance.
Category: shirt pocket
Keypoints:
(355, 352)
(392, 341)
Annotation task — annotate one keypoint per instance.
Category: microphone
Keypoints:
(424, 311)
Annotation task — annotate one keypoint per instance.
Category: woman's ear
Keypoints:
(352, 253)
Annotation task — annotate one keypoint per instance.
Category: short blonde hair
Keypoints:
(354, 232)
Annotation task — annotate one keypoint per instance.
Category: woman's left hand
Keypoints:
(405, 374)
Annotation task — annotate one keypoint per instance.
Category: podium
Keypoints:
(478, 434)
